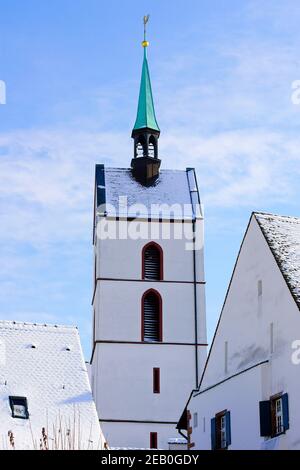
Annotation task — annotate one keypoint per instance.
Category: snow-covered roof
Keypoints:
(44, 364)
(282, 234)
(173, 187)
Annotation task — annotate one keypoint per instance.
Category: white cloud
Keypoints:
(47, 177)
(240, 167)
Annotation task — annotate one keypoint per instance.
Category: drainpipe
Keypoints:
(195, 301)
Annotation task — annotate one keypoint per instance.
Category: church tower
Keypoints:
(149, 323)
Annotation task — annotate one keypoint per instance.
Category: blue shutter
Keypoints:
(285, 411)
(213, 434)
(265, 418)
(228, 429)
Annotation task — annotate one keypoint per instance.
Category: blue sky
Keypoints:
(221, 73)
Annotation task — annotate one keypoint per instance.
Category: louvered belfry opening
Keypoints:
(152, 263)
(151, 318)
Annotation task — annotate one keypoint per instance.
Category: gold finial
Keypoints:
(145, 43)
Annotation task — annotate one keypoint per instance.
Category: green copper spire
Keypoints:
(145, 114)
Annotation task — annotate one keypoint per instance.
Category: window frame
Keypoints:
(161, 261)
(153, 440)
(142, 142)
(219, 429)
(221, 435)
(156, 380)
(274, 425)
(22, 401)
(160, 325)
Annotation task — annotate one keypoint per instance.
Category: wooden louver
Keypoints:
(152, 263)
(151, 318)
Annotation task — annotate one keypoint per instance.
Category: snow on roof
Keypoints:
(172, 187)
(177, 440)
(283, 236)
(53, 378)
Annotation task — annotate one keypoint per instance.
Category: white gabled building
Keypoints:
(45, 395)
(249, 392)
(149, 334)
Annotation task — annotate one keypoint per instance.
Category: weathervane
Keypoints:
(145, 43)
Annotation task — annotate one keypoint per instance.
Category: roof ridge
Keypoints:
(130, 169)
(4, 323)
(293, 217)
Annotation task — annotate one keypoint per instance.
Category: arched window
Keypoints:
(151, 317)
(140, 147)
(152, 259)
(152, 147)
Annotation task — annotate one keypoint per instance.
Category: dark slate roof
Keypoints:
(172, 187)
(283, 237)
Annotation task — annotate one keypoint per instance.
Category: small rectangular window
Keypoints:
(156, 380)
(19, 407)
(195, 420)
(153, 440)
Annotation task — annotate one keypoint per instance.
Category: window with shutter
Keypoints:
(221, 431)
(152, 262)
(279, 414)
(151, 317)
(274, 415)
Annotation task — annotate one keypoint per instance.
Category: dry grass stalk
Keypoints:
(11, 439)
(66, 435)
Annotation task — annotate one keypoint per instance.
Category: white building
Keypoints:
(149, 334)
(45, 395)
(249, 392)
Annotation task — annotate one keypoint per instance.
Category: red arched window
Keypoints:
(152, 262)
(151, 317)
